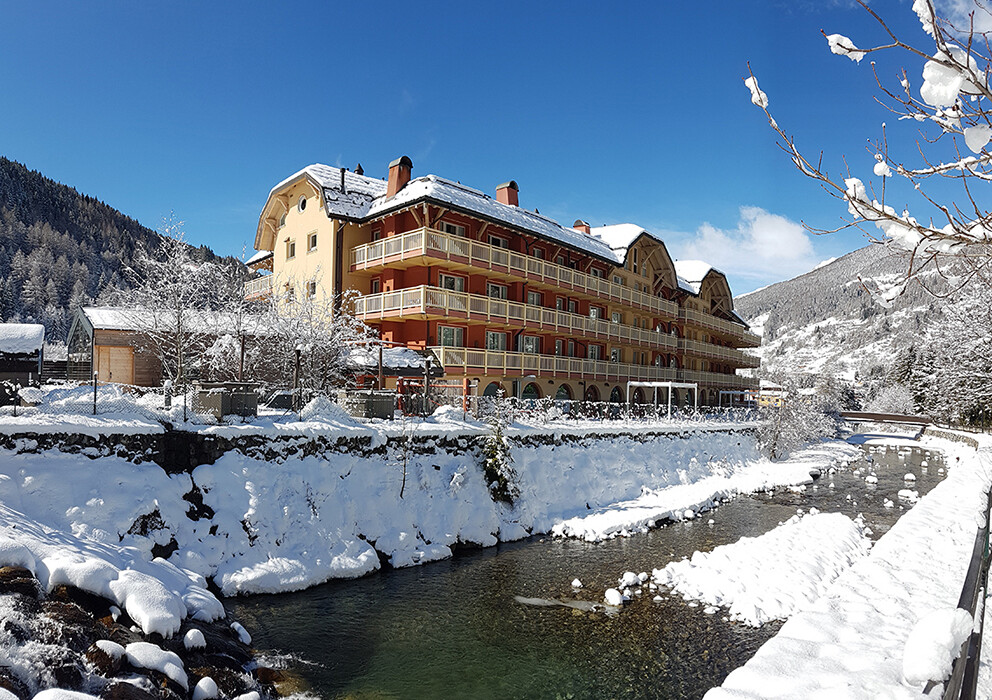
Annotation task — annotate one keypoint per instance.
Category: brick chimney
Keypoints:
(399, 175)
(507, 193)
(583, 226)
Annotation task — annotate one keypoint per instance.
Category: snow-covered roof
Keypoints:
(114, 318)
(392, 358)
(259, 257)
(691, 274)
(354, 202)
(21, 338)
(477, 202)
(621, 236)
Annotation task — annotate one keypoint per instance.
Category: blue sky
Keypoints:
(605, 112)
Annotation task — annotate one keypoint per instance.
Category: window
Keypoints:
(659, 360)
(453, 229)
(282, 220)
(596, 272)
(375, 286)
(290, 293)
(594, 312)
(535, 299)
(573, 306)
(616, 317)
(560, 260)
(571, 348)
(495, 341)
(559, 347)
(455, 284)
(302, 204)
(312, 241)
(617, 279)
(538, 253)
(616, 355)
(290, 250)
(634, 254)
(595, 352)
(376, 235)
(498, 242)
(451, 337)
(311, 289)
(496, 291)
(530, 344)
(560, 303)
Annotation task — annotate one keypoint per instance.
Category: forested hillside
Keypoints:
(60, 248)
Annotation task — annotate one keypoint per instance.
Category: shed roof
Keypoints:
(21, 338)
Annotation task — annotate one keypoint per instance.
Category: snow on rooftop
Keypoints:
(353, 202)
(259, 256)
(691, 274)
(123, 319)
(476, 202)
(21, 338)
(392, 358)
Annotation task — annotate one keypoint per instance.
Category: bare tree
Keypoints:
(953, 106)
(172, 303)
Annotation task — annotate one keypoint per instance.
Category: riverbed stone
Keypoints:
(16, 579)
(126, 691)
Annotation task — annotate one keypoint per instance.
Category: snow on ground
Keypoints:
(294, 521)
(852, 642)
(722, 479)
(775, 575)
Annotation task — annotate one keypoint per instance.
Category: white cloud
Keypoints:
(764, 246)
(957, 12)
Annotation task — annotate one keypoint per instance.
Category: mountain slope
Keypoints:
(60, 248)
(825, 319)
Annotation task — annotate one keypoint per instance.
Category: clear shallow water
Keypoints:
(452, 629)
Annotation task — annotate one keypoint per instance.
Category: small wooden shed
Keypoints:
(22, 349)
(105, 340)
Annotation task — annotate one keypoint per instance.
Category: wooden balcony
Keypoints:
(718, 352)
(519, 365)
(739, 333)
(425, 302)
(424, 245)
(258, 287)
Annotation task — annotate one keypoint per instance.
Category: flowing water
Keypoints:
(453, 629)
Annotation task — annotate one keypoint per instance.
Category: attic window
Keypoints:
(302, 204)
(282, 220)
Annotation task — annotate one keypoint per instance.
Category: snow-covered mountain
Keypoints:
(826, 320)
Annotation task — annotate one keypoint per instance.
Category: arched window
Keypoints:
(531, 391)
(493, 389)
(616, 396)
(563, 393)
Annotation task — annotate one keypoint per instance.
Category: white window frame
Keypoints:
(596, 272)
(571, 348)
(375, 286)
(616, 317)
(594, 352)
(538, 253)
(502, 291)
(530, 344)
(617, 279)
(311, 289)
(495, 340)
(311, 241)
(595, 312)
(291, 249)
(616, 355)
(457, 336)
(453, 229)
(457, 282)
(499, 242)
(559, 347)
(535, 298)
(573, 306)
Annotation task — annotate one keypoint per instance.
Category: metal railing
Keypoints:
(477, 307)
(505, 363)
(436, 244)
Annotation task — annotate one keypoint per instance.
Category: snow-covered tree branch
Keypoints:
(952, 103)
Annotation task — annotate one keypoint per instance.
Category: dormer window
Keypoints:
(302, 204)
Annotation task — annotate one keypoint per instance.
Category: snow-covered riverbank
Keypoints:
(855, 640)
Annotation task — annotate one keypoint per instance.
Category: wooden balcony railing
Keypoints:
(428, 242)
(424, 300)
(718, 352)
(736, 330)
(519, 364)
(260, 286)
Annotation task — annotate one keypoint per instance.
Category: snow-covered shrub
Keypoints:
(498, 462)
(803, 417)
(894, 398)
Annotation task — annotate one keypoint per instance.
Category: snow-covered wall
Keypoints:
(287, 516)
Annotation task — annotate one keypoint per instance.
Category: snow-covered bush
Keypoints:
(803, 417)
(894, 398)
(498, 462)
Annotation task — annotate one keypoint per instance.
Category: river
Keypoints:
(453, 629)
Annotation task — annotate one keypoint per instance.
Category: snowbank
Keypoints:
(773, 576)
(286, 519)
(852, 641)
(724, 478)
